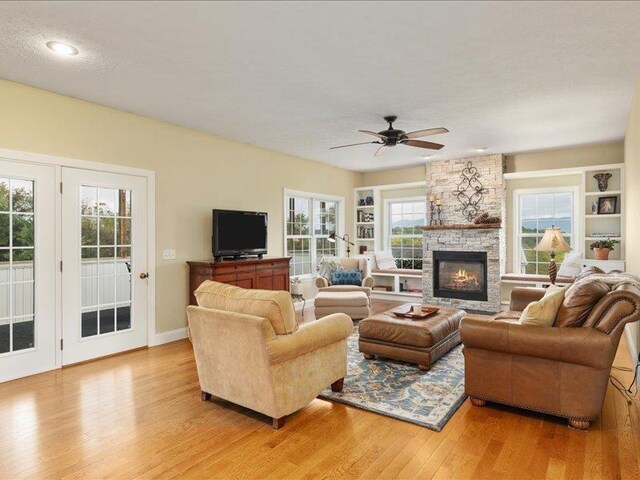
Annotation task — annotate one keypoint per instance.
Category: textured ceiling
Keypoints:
(302, 77)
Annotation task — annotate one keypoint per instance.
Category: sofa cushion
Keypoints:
(276, 306)
(578, 302)
(346, 299)
(385, 260)
(543, 312)
(346, 277)
(571, 265)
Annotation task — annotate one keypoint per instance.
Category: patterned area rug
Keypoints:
(400, 390)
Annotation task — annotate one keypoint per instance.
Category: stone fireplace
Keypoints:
(463, 262)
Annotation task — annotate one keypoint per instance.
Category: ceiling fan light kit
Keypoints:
(391, 137)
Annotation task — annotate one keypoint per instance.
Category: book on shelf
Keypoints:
(604, 235)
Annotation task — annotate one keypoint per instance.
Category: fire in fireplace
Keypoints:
(460, 275)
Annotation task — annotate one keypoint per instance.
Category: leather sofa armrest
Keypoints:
(346, 288)
(615, 310)
(368, 282)
(321, 282)
(580, 346)
(310, 337)
(522, 296)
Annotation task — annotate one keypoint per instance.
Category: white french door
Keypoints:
(104, 253)
(27, 269)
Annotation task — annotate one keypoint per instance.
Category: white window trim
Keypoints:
(340, 245)
(386, 222)
(576, 226)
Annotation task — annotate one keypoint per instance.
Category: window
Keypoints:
(537, 211)
(405, 217)
(310, 219)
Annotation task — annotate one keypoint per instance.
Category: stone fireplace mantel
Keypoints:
(462, 226)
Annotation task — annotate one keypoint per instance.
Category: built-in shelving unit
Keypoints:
(610, 225)
(367, 219)
(398, 284)
(368, 235)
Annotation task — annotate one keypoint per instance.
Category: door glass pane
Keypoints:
(4, 194)
(22, 230)
(89, 231)
(23, 333)
(17, 265)
(22, 196)
(106, 269)
(4, 229)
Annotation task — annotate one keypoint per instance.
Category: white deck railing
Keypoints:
(102, 283)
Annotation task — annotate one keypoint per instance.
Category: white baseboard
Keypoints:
(168, 337)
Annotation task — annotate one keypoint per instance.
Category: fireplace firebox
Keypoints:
(460, 275)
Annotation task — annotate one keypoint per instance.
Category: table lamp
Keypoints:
(345, 238)
(553, 242)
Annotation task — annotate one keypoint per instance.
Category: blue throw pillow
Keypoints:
(346, 277)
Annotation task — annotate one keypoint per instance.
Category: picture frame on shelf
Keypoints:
(607, 205)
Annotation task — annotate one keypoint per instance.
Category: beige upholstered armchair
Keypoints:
(323, 281)
(249, 349)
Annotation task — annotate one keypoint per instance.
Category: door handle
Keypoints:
(144, 275)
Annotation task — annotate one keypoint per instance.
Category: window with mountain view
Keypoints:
(405, 235)
(536, 212)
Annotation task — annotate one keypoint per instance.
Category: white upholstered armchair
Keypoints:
(327, 264)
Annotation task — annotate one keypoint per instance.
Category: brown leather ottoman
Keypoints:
(415, 341)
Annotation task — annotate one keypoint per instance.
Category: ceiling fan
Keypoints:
(392, 137)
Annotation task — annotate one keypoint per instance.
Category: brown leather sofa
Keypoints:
(561, 370)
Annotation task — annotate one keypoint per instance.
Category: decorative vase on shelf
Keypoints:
(601, 253)
(603, 180)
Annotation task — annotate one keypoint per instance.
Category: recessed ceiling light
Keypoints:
(426, 157)
(481, 149)
(62, 48)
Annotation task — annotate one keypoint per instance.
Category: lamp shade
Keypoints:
(552, 241)
(332, 237)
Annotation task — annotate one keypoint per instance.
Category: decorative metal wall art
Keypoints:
(469, 192)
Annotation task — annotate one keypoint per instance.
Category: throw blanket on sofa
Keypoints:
(612, 279)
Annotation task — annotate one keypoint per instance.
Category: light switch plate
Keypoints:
(169, 254)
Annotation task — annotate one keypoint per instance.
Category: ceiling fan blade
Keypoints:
(427, 132)
(381, 151)
(369, 132)
(423, 144)
(351, 145)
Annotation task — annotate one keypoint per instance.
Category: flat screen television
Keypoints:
(239, 234)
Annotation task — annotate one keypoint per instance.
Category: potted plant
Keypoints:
(601, 248)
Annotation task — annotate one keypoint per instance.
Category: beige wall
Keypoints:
(632, 196)
(587, 155)
(525, 183)
(394, 175)
(195, 172)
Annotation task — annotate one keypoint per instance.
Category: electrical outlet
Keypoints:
(169, 254)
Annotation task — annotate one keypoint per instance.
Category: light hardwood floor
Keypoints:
(139, 415)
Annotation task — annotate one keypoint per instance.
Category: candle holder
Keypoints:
(436, 210)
